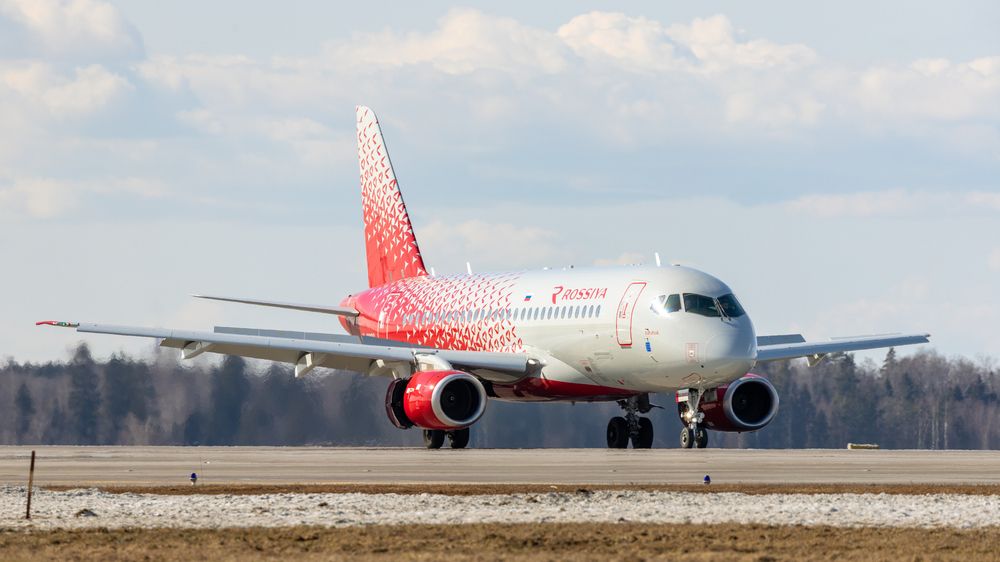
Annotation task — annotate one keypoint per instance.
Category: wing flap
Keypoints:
(778, 351)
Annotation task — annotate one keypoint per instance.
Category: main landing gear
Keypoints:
(633, 428)
(694, 434)
(434, 438)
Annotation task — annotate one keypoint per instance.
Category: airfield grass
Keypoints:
(459, 489)
(528, 542)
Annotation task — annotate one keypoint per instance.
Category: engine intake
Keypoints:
(435, 400)
(746, 404)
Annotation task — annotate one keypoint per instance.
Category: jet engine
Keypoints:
(746, 404)
(445, 400)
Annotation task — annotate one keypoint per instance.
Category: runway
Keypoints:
(58, 465)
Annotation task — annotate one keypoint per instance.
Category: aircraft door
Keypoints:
(623, 319)
(388, 315)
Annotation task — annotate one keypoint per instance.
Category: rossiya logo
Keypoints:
(562, 293)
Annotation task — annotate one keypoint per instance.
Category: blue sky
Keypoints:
(837, 165)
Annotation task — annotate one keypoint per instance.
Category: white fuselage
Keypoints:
(604, 327)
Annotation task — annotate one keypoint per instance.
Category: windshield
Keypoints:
(665, 304)
(731, 306)
(700, 304)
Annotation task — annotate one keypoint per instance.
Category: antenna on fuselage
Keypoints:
(468, 267)
(657, 256)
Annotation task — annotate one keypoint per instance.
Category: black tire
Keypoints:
(459, 438)
(687, 438)
(701, 437)
(617, 433)
(644, 440)
(433, 438)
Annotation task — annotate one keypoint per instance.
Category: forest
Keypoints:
(921, 401)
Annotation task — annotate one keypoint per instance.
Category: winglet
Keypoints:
(58, 323)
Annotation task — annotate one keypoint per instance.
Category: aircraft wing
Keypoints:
(774, 348)
(308, 350)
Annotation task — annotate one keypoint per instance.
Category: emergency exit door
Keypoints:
(623, 319)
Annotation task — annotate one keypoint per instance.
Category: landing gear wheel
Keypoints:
(644, 439)
(617, 433)
(701, 437)
(433, 438)
(687, 438)
(459, 438)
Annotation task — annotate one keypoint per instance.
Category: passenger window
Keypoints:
(597, 311)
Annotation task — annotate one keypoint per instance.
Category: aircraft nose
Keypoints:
(731, 353)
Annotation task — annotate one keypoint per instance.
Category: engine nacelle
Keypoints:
(435, 400)
(746, 404)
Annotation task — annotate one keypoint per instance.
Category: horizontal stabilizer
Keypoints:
(338, 310)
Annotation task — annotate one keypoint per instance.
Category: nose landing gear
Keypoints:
(695, 434)
(697, 437)
(632, 427)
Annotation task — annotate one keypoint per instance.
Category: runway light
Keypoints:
(708, 480)
(194, 478)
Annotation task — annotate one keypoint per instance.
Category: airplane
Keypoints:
(451, 343)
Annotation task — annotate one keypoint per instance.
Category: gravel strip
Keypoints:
(90, 508)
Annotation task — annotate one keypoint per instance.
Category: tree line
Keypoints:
(923, 401)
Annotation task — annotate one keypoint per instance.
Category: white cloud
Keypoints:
(893, 202)
(713, 42)
(485, 244)
(704, 45)
(91, 88)
(983, 199)
(993, 261)
(633, 42)
(936, 89)
(74, 28)
(47, 198)
(465, 41)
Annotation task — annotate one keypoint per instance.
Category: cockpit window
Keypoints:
(700, 304)
(665, 304)
(730, 306)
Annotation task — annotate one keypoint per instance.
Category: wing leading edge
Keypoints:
(815, 351)
(364, 355)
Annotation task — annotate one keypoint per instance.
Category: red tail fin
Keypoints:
(392, 248)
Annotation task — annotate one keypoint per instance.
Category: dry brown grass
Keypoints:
(530, 542)
(473, 489)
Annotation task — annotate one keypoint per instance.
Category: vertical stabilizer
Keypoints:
(391, 247)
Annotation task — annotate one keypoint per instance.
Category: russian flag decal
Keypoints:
(527, 298)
